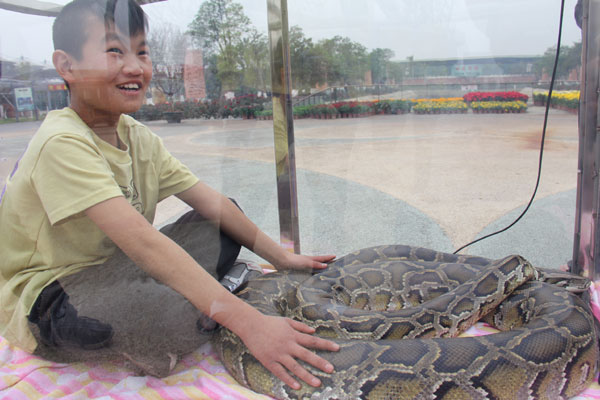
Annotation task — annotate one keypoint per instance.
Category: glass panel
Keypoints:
(415, 122)
(452, 168)
(433, 180)
(220, 96)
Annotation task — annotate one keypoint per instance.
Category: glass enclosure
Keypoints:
(414, 122)
(335, 125)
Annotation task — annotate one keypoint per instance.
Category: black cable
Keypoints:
(539, 174)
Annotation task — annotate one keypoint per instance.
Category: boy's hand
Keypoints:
(277, 342)
(298, 261)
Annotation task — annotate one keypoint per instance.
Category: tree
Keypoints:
(220, 27)
(569, 58)
(397, 71)
(379, 60)
(255, 59)
(303, 58)
(213, 84)
(572, 57)
(341, 61)
(219, 24)
(354, 61)
(24, 71)
(167, 48)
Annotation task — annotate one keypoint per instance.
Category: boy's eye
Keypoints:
(114, 50)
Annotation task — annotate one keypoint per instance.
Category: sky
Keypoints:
(423, 29)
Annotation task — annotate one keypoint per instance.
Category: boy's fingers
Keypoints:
(315, 360)
(280, 372)
(315, 342)
(285, 361)
(324, 259)
(318, 265)
(306, 340)
(299, 326)
(298, 370)
(290, 364)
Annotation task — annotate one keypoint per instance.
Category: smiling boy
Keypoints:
(84, 273)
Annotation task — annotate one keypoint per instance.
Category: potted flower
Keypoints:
(172, 116)
(344, 109)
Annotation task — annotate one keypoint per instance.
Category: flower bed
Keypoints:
(437, 106)
(539, 98)
(563, 100)
(353, 109)
(151, 112)
(495, 96)
(302, 111)
(393, 106)
(264, 115)
(438, 100)
(498, 107)
(325, 111)
(246, 106)
(251, 106)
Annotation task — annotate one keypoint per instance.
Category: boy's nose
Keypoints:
(132, 65)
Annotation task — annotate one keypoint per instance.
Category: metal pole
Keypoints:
(283, 124)
(35, 108)
(586, 249)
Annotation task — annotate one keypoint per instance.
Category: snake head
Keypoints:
(570, 282)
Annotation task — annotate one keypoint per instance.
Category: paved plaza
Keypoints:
(437, 181)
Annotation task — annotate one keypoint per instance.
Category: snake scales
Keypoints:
(368, 300)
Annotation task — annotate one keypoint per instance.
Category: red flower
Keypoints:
(495, 96)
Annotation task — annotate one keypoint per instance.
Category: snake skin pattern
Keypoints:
(396, 311)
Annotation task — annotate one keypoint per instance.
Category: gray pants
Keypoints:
(153, 324)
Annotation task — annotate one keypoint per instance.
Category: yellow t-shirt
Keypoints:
(44, 233)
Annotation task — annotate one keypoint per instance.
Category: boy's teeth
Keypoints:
(130, 86)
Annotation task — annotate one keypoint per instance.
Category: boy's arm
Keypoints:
(276, 342)
(219, 209)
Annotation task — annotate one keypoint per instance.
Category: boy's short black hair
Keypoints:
(69, 31)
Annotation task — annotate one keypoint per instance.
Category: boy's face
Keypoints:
(112, 75)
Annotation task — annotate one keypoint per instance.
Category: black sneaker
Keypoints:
(70, 330)
(84, 332)
(241, 272)
(60, 326)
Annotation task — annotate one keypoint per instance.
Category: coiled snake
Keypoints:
(395, 311)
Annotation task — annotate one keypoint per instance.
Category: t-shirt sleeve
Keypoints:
(70, 176)
(174, 177)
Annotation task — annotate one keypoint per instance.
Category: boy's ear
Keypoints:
(63, 64)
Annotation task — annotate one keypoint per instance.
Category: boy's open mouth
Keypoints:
(130, 86)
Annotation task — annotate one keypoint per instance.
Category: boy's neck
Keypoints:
(108, 134)
(105, 127)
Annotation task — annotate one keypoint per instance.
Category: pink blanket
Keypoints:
(198, 376)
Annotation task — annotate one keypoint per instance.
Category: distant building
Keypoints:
(475, 66)
(193, 75)
(451, 77)
(47, 86)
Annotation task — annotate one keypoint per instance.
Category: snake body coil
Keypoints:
(396, 312)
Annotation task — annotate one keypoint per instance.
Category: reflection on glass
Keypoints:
(397, 122)
(283, 125)
(403, 175)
